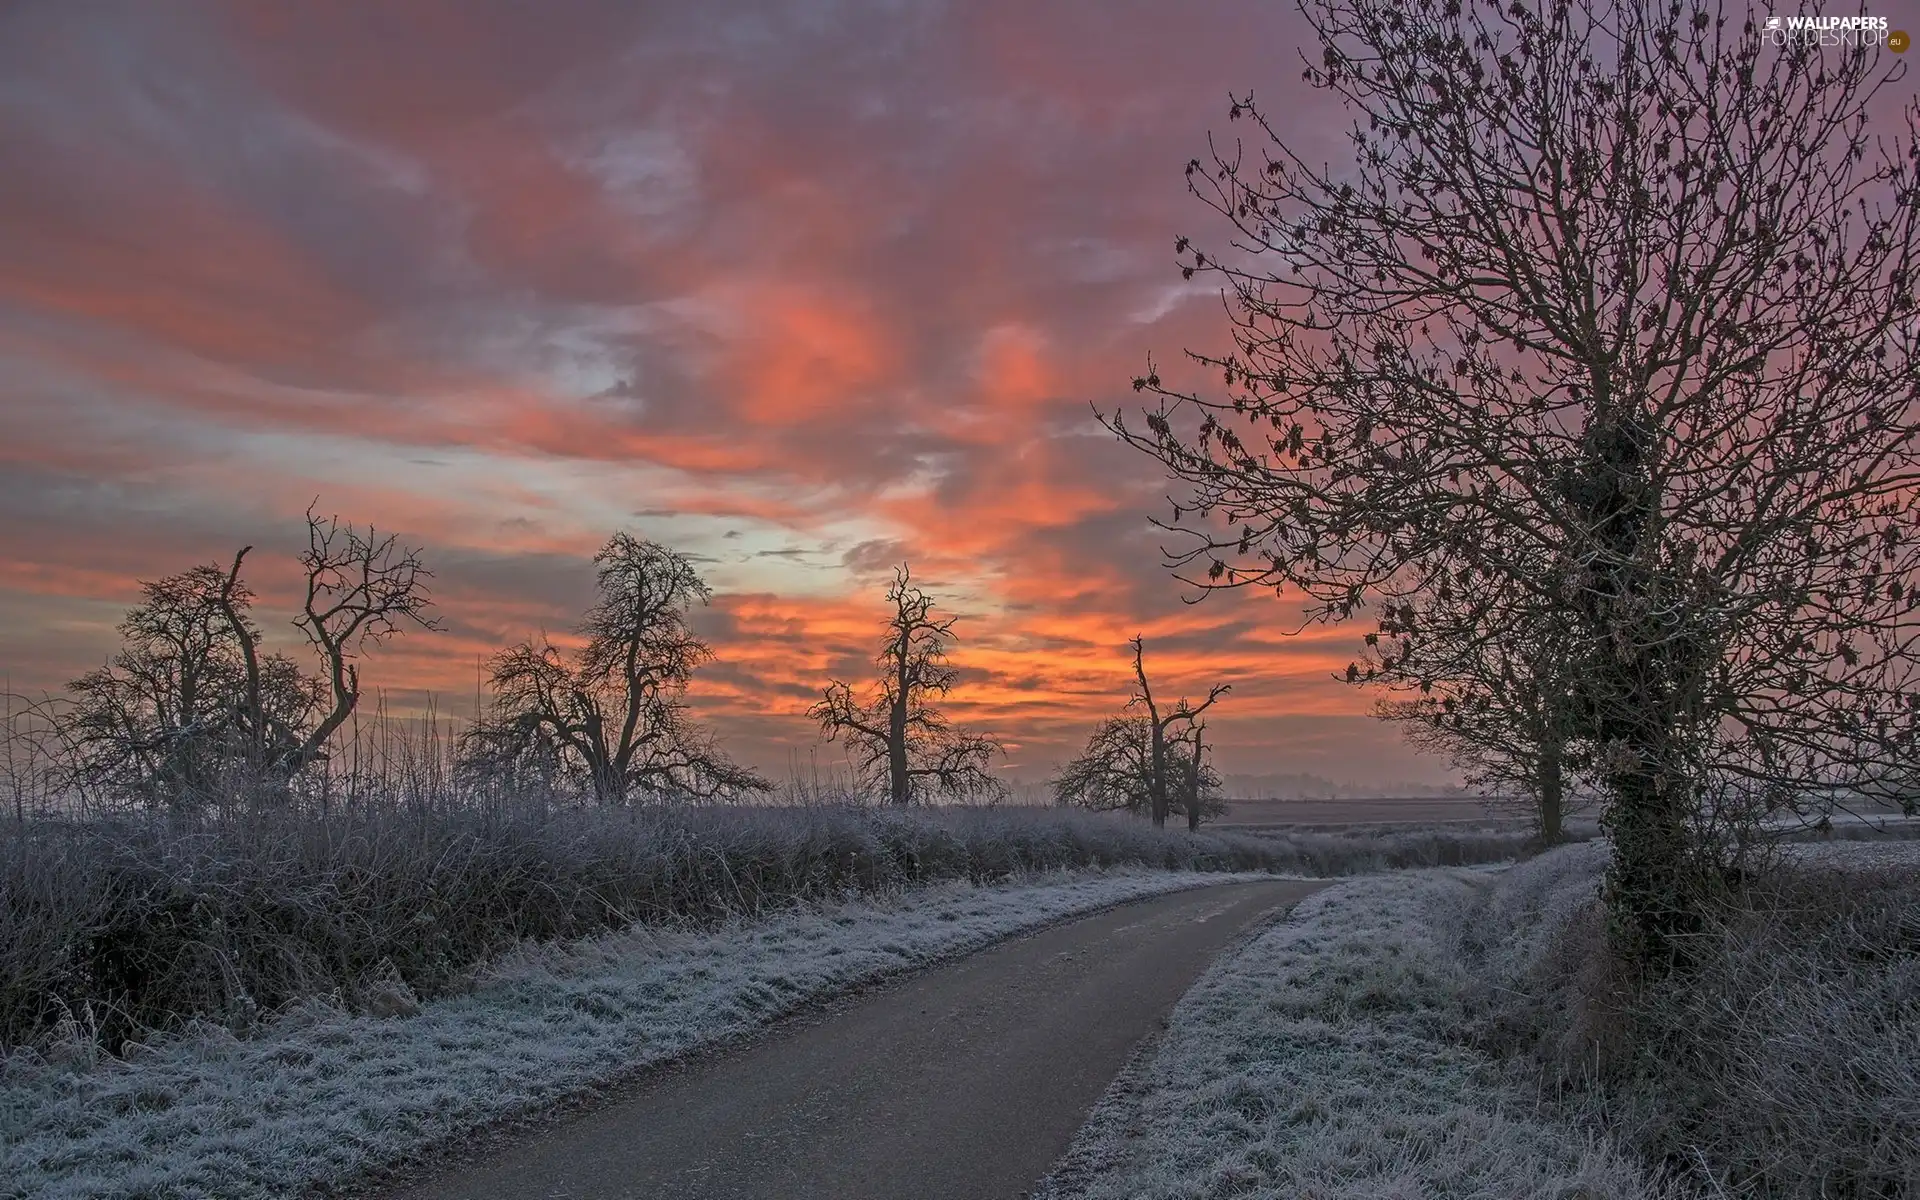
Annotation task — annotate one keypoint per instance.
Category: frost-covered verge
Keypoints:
(1854, 856)
(1461, 1033)
(1328, 1058)
(321, 1094)
(118, 929)
(1784, 1062)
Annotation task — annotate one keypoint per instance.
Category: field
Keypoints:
(1412, 810)
(283, 1002)
(156, 979)
(323, 1094)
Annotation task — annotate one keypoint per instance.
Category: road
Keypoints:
(964, 1082)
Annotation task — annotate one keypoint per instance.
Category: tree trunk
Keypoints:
(1157, 777)
(1652, 890)
(1550, 791)
(898, 791)
(609, 786)
(1651, 893)
(1193, 785)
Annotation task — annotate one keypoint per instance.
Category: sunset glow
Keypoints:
(801, 290)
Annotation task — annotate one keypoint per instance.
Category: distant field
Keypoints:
(1415, 811)
(1386, 811)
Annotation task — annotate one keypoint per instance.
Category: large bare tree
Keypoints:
(161, 723)
(361, 589)
(1146, 761)
(899, 740)
(1113, 773)
(1610, 316)
(1196, 791)
(613, 716)
(1165, 729)
(190, 711)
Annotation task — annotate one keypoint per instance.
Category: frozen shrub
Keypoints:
(144, 924)
(1783, 1062)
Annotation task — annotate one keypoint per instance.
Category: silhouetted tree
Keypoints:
(1159, 765)
(1497, 700)
(361, 589)
(1113, 772)
(612, 717)
(898, 740)
(1611, 316)
(190, 711)
(1146, 761)
(1197, 795)
(159, 723)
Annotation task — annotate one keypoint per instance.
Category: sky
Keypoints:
(802, 290)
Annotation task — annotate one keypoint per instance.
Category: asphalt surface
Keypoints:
(964, 1082)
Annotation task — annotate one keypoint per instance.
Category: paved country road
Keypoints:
(964, 1082)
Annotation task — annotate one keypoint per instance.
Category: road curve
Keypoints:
(964, 1082)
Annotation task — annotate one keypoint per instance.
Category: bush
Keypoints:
(1788, 1058)
(113, 928)
(1783, 1062)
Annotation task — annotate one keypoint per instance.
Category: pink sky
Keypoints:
(802, 290)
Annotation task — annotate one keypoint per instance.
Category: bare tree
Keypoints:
(1197, 795)
(150, 724)
(362, 588)
(1159, 764)
(897, 737)
(1495, 698)
(1597, 323)
(1516, 755)
(613, 716)
(1146, 761)
(190, 710)
(1113, 773)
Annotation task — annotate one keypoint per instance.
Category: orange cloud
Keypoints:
(1015, 368)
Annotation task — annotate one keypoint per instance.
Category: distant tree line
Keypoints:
(191, 715)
